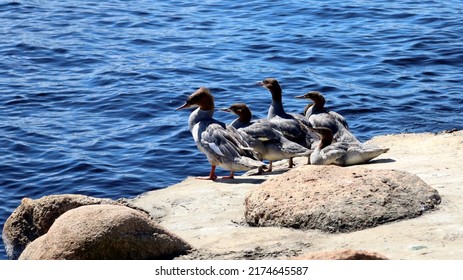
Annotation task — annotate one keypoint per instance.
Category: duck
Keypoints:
(292, 126)
(265, 138)
(221, 143)
(242, 111)
(319, 116)
(341, 153)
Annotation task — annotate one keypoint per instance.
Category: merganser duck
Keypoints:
(319, 116)
(293, 126)
(266, 140)
(242, 111)
(222, 144)
(341, 153)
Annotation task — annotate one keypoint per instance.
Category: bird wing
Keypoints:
(333, 152)
(267, 134)
(216, 140)
(290, 128)
(263, 130)
(339, 118)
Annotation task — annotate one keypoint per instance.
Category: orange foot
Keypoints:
(207, 178)
(231, 176)
(212, 175)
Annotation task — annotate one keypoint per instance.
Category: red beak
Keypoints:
(186, 105)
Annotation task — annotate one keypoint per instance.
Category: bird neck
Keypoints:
(276, 108)
(319, 102)
(324, 143)
(325, 140)
(238, 124)
(307, 107)
(276, 92)
(199, 115)
(245, 116)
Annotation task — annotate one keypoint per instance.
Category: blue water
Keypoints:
(88, 88)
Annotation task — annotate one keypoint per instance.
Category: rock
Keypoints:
(342, 255)
(105, 232)
(33, 218)
(338, 199)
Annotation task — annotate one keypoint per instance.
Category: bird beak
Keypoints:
(259, 84)
(225, 109)
(300, 97)
(186, 105)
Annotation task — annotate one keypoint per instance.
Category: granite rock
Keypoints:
(33, 217)
(101, 232)
(338, 199)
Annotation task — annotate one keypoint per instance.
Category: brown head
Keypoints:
(240, 109)
(273, 86)
(315, 96)
(201, 98)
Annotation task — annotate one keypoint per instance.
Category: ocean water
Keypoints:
(88, 88)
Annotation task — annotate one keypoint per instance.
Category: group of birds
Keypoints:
(319, 134)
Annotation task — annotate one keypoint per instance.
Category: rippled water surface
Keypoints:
(89, 88)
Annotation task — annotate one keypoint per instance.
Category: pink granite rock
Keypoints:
(99, 232)
(338, 199)
(34, 217)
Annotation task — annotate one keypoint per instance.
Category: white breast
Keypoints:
(195, 131)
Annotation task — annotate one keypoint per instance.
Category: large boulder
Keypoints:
(101, 232)
(338, 199)
(33, 218)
